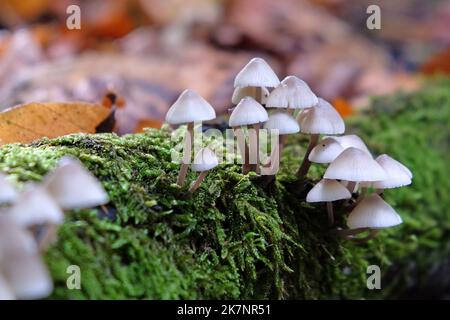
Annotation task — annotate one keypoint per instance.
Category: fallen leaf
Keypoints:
(343, 107)
(28, 122)
(147, 123)
(439, 63)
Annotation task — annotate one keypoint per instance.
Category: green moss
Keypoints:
(233, 238)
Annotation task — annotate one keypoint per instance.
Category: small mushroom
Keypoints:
(248, 112)
(355, 165)
(351, 140)
(327, 190)
(373, 213)
(8, 193)
(204, 161)
(398, 175)
(321, 119)
(241, 92)
(284, 124)
(189, 108)
(292, 93)
(256, 75)
(73, 186)
(325, 151)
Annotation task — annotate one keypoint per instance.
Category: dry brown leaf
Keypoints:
(28, 122)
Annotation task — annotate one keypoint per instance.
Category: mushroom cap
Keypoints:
(73, 186)
(283, 122)
(190, 107)
(35, 206)
(7, 192)
(292, 93)
(351, 140)
(6, 292)
(328, 190)
(325, 151)
(397, 175)
(241, 92)
(373, 212)
(205, 160)
(321, 119)
(257, 73)
(355, 165)
(248, 111)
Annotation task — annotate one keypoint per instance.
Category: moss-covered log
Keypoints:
(235, 238)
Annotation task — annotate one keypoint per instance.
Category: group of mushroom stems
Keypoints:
(29, 220)
(291, 107)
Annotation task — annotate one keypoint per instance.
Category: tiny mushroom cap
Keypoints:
(73, 186)
(373, 212)
(7, 192)
(292, 93)
(35, 206)
(190, 107)
(352, 140)
(283, 122)
(247, 112)
(241, 92)
(321, 119)
(257, 73)
(6, 292)
(355, 165)
(397, 175)
(205, 160)
(325, 151)
(328, 190)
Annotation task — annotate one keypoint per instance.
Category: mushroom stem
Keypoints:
(361, 195)
(47, 237)
(188, 144)
(254, 143)
(351, 186)
(349, 233)
(304, 167)
(370, 236)
(198, 181)
(243, 148)
(330, 213)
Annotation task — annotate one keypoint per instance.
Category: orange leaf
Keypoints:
(147, 123)
(439, 63)
(343, 107)
(29, 122)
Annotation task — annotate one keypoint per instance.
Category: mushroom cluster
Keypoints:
(29, 221)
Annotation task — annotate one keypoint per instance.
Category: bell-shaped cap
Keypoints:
(355, 165)
(351, 140)
(247, 112)
(321, 119)
(325, 151)
(35, 206)
(205, 160)
(328, 190)
(397, 174)
(241, 92)
(283, 122)
(190, 107)
(257, 73)
(73, 186)
(7, 192)
(6, 293)
(292, 93)
(373, 212)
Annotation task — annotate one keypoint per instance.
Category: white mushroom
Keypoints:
(7, 192)
(73, 186)
(6, 292)
(325, 151)
(241, 92)
(189, 108)
(248, 112)
(257, 74)
(292, 93)
(327, 191)
(351, 140)
(204, 161)
(321, 119)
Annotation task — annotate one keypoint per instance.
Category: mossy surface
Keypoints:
(233, 238)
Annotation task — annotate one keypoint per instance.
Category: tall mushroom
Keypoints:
(355, 165)
(240, 93)
(256, 76)
(189, 108)
(325, 151)
(284, 124)
(204, 161)
(7, 192)
(373, 213)
(327, 190)
(322, 119)
(292, 93)
(351, 140)
(248, 112)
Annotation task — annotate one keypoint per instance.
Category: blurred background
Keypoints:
(148, 51)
